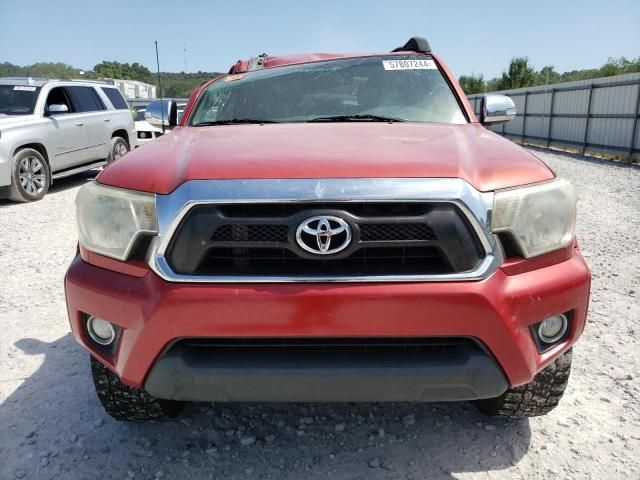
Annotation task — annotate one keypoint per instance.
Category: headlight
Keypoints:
(540, 217)
(111, 219)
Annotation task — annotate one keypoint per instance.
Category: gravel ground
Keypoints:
(51, 425)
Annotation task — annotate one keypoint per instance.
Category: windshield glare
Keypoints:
(18, 99)
(407, 89)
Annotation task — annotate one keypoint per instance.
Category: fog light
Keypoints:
(100, 331)
(552, 329)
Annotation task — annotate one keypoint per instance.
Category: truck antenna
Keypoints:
(160, 88)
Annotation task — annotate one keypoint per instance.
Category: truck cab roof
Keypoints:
(265, 61)
(414, 45)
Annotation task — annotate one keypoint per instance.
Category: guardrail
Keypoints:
(598, 116)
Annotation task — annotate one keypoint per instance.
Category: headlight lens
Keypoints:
(111, 219)
(540, 217)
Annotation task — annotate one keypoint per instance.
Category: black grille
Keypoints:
(380, 232)
(251, 233)
(365, 261)
(369, 232)
(388, 239)
(427, 345)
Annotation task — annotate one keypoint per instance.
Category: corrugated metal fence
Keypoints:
(139, 102)
(598, 116)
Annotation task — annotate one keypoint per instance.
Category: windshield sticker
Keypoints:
(409, 65)
(24, 89)
(233, 78)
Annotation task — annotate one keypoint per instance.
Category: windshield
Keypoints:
(18, 99)
(400, 88)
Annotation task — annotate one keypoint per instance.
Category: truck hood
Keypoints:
(326, 150)
(9, 121)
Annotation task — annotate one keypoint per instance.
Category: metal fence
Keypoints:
(141, 102)
(598, 116)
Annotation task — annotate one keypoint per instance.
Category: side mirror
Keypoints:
(161, 113)
(57, 109)
(497, 109)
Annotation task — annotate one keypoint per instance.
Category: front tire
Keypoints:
(30, 176)
(535, 398)
(119, 147)
(127, 403)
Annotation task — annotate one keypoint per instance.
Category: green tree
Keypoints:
(173, 84)
(547, 75)
(140, 72)
(613, 66)
(632, 66)
(107, 69)
(123, 71)
(472, 84)
(519, 74)
(42, 69)
(52, 70)
(616, 66)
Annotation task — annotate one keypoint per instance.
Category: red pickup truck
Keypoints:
(329, 228)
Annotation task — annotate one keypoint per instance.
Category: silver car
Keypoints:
(51, 129)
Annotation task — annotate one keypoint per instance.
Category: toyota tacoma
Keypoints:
(329, 227)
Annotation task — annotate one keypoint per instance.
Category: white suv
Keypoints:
(51, 129)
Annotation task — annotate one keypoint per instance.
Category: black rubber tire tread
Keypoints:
(535, 398)
(114, 141)
(123, 402)
(16, 192)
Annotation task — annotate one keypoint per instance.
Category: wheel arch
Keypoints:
(122, 133)
(39, 147)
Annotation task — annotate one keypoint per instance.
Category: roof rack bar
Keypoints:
(257, 63)
(101, 82)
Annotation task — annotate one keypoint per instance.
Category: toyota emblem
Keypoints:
(323, 235)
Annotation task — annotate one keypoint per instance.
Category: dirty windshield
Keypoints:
(395, 88)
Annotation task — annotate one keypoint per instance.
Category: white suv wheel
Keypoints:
(30, 176)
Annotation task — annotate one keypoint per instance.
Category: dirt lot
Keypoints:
(51, 425)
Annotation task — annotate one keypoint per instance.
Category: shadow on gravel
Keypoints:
(584, 158)
(74, 181)
(62, 184)
(54, 427)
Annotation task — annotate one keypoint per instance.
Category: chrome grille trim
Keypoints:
(476, 206)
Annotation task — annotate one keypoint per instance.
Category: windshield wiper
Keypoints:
(233, 121)
(357, 118)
